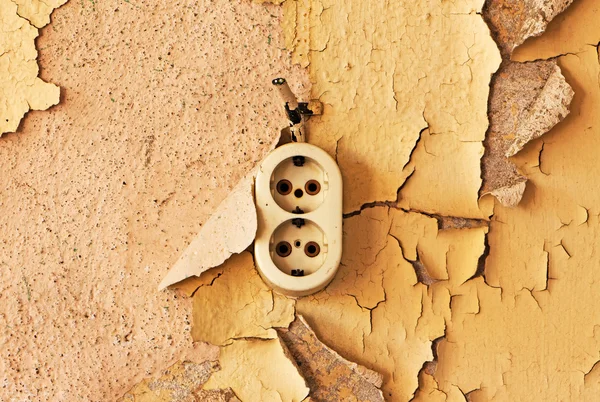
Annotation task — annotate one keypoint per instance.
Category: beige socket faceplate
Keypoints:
(288, 188)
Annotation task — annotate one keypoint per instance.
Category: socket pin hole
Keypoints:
(298, 193)
(297, 243)
(284, 187)
(312, 187)
(312, 249)
(283, 249)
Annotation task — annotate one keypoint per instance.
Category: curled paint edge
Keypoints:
(371, 376)
(509, 196)
(230, 230)
(556, 106)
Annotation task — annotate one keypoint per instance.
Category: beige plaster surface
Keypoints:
(165, 105)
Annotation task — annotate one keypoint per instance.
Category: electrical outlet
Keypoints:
(298, 246)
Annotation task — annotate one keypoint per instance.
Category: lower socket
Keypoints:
(298, 247)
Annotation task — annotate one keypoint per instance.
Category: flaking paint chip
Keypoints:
(330, 377)
(176, 384)
(529, 329)
(513, 21)
(20, 88)
(259, 370)
(230, 230)
(526, 101)
(238, 304)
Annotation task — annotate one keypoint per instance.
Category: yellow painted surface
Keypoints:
(237, 304)
(386, 71)
(20, 87)
(405, 93)
(536, 334)
(259, 370)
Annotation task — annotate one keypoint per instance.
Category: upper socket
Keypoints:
(299, 184)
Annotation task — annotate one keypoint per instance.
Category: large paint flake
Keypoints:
(20, 88)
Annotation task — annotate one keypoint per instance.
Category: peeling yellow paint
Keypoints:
(329, 376)
(535, 332)
(20, 88)
(37, 11)
(259, 370)
(367, 62)
(514, 21)
(378, 298)
(405, 94)
(428, 307)
(230, 230)
(572, 31)
(526, 101)
(237, 304)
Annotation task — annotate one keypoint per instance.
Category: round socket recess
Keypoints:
(307, 243)
(299, 184)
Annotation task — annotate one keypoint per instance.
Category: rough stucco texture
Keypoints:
(165, 106)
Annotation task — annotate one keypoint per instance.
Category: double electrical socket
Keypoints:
(298, 193)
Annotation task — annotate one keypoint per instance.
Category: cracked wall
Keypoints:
(406, 159)
(536, 330)
(447, 294)
(367, 62)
